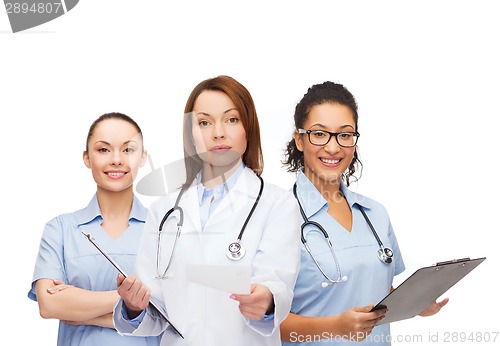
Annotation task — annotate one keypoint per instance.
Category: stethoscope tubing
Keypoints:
(308, 222)
(371, 226)
(384, 254)
(257, 199)
(177, 235)
(231, 255)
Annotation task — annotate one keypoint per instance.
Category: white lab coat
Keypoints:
(203, 315)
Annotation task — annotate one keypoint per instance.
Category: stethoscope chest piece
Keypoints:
(235, 251)
(385, 255)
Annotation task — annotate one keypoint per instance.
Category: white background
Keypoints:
(425, 75)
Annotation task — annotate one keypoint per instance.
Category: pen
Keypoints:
(92, 240)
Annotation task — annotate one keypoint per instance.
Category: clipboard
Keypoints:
(423, 287)
(120, 270)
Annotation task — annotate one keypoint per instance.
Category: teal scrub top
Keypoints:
(66, 254)
(369, 280)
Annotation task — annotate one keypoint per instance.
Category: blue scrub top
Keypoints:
(369, 279)
(66, 254)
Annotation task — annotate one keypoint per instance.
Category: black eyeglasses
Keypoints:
(322, 137)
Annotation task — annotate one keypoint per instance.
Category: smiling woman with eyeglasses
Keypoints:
(349, 251)
(322, 137)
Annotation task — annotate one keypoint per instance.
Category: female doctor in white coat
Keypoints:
(224, 201)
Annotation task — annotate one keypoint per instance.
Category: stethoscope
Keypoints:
(235, 251)
(385, 254)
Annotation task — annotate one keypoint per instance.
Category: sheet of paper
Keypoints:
(229, 278)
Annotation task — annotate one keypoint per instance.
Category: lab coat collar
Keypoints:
(246, 187)
(189, 203)
(226, 185)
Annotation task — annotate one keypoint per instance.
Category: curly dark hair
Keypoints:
(327, 92)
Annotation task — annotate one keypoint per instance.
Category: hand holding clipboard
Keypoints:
(151, 303)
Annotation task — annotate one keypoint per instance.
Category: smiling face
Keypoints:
(115, 153)
(325, 164)
(218, 132)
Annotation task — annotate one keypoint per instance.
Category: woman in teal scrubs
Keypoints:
(72, 281)
(338, 285)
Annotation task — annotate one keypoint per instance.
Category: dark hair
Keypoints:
(245, 106)
(327, 92)
(107, 116)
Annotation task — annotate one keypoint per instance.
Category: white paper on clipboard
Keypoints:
(229, 278)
